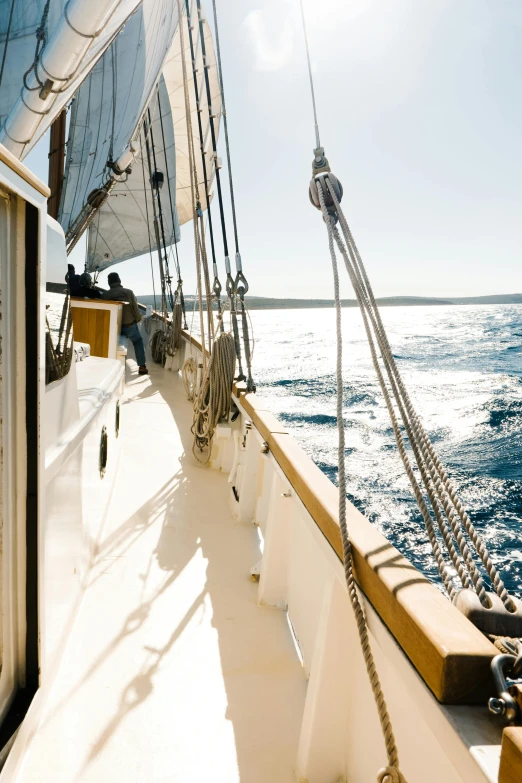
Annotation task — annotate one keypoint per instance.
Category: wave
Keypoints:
(463, 371)
(502, 412)
(319, 419)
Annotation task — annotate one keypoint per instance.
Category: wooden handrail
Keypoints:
(89, 300)
(449, 653)
(14, 164)
(194, 341)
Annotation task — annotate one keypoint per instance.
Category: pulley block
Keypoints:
(328, 182)
(496, 619)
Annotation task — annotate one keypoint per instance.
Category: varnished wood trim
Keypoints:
(193, 340)
(15, 165)
(449, 653)
(511, 756)
(56, 163)
(92, 325)
(86, 301)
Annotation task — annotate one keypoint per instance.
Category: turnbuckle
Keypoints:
(507, 673)
(241, 285)
(240, 282)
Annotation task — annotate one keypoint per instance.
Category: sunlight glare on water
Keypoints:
(462, 368)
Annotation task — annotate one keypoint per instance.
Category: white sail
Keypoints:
(18, 44)
(123, 227)
(58, 23)
(173, 73)
(109, 106)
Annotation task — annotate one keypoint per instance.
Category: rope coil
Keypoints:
(214, 398)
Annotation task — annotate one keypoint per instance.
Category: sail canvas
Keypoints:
(123, 227)
(173, 74)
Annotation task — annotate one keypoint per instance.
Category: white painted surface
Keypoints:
(13, 450)
(172, 671)
(75, 496)
(60, 59)
(340, 738)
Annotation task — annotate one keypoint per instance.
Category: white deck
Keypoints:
(172, 673)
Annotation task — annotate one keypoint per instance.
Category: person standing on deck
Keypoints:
(130, 319)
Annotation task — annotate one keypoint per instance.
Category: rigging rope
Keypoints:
(225, 124)
(211, 124)
(239, 286)
(113, 97)
(312, 91)
(212, 400)
(148, 231)
(58, 358)
(441, 491)
(169, 187)
(217, 288)
(156, 223)
(7, 38)
(442, 502)
(41, 40)
(168, 278)
(199, 238)
(391, 773)
(174, 215)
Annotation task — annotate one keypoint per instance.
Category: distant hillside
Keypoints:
(267, 303)
(495, 299)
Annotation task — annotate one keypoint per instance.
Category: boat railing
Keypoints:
(279, 488)
(449, 653)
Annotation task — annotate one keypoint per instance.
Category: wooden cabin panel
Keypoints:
(98, 323)
(92, 327)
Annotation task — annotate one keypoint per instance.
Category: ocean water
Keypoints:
(463, 368)
(54, 308)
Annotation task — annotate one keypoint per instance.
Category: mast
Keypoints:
(56, 163)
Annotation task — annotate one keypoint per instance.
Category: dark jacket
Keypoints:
(77, 289)
(131, 314)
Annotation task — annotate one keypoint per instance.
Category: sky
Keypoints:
(421, 119)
